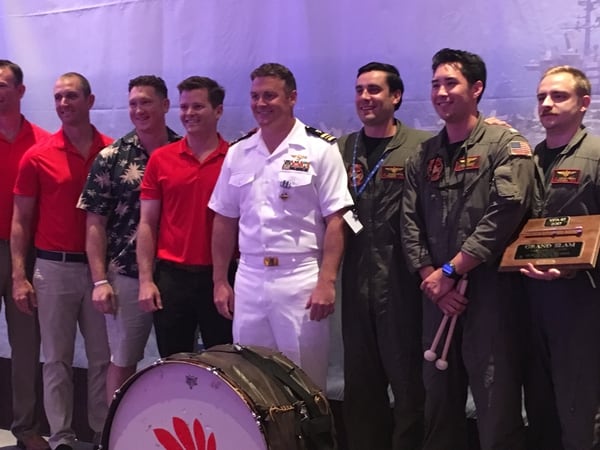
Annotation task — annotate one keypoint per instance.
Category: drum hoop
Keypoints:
(120, 393)
(259, 417)
(229, 381)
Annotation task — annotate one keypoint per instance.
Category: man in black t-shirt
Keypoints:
(466, 194)
(381, 302)
(563, 382)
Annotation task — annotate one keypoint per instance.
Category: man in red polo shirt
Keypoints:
(50, 179)
(176, 225)
(16, 136)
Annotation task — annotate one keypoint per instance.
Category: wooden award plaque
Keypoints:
(567, 242)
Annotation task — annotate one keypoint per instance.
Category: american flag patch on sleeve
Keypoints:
(519, 148)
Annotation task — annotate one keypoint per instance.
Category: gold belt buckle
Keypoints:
(271, 261)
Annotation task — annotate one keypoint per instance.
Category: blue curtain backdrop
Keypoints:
(322, 41)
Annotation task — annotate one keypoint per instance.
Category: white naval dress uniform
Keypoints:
(281, 200)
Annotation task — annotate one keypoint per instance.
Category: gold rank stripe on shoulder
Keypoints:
(519, 148)
(325, 136)
(245, 136)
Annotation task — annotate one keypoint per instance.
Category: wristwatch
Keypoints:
(449, 270)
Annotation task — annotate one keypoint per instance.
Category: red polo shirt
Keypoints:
(10, 155)
(54, 172)
(183, 185)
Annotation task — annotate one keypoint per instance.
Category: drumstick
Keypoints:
(431, 355)
(442, 363)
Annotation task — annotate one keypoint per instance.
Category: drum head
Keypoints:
(178, 405)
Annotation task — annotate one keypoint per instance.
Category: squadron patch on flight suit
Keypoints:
(356, 174)
(245, 136)
(519, 148)
(467, 163)
(392, 173)
(435, 167)
(565, 176)
(325, 136)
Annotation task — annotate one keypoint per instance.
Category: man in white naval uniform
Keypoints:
(281, 196)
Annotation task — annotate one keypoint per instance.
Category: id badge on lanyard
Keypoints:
(351, 217)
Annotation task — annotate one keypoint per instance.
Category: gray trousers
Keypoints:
(24, 340)
(64, 301)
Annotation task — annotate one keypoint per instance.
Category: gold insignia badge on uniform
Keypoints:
(467, 163)
(245, 136)
(291, 164)
(392, 173)
(435, 167)
(519, 148)
(325, 136)
(356, 174)
(565, 176)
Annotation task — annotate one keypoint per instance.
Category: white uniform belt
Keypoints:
(288, 260)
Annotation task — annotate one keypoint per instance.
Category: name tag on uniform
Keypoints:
(392, 173)
(565, 176)
(351, 218)
(467, 163)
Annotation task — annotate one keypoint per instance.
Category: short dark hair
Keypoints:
(278, 71)
(15, 69)
(470, 65)
(216, 93)
(85, 84)
(393, 78)
(150, 80)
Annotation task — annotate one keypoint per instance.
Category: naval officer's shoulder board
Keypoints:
(245, 136)
(311, 131)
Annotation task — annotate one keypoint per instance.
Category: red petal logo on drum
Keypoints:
(184, 439)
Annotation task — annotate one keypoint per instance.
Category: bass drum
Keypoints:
(226, 398)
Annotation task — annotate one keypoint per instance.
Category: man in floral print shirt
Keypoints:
(111, 199)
